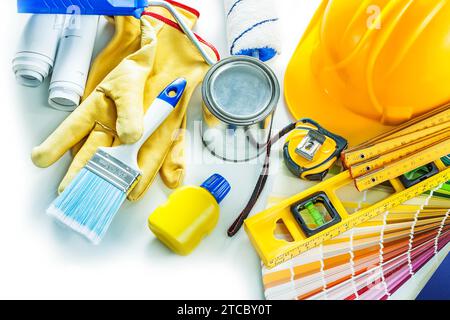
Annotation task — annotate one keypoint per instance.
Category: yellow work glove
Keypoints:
(127, 40)
(117, 105)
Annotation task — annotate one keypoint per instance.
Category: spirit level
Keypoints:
(260, 228)
(317, 214)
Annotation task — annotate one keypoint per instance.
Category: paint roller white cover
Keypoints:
(253, 25)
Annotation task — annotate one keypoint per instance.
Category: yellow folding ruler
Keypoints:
(434, 118)
(435, 124)
(411, 146)
(317, 214)
(364, 167)
(396, 169)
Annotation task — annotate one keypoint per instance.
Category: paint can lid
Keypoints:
(218, 186)
(241, 90)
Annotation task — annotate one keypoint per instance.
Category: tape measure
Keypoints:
(310, 150)
(317, 214)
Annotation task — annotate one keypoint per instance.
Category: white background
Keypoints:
(39, 259)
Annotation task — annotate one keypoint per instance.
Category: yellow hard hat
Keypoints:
(364, 66)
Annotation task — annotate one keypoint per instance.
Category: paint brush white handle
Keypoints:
(157, 113)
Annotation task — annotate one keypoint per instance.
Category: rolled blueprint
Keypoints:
(38, 45)
(73, 62)
(253, 28)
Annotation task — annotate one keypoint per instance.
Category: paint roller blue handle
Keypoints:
(84, 7)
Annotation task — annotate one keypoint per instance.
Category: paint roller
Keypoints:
(253, 28)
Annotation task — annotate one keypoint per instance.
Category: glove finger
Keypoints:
(76, 148)
(172, 171)
(69, 133)
(98, 138)
(151, 158)
(130, 115)
(129, 99)
(154, 152)
(126, 40)
(116, 142)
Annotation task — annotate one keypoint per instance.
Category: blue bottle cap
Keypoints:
(218, 186)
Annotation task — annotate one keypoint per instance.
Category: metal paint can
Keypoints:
(240, 95)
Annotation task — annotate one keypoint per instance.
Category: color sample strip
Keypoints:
(371, 261)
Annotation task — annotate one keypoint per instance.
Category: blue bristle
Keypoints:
(88, 205)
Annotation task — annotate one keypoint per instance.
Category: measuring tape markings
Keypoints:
(436, 117)
(352, 158)
(403, 166)
(353, 155)
(378, 162)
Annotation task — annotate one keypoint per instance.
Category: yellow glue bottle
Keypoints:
(190, 214)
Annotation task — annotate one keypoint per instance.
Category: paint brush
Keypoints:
(89, 204)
